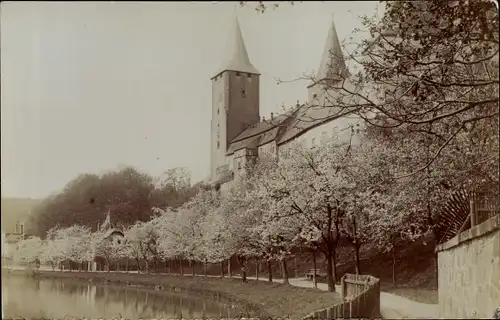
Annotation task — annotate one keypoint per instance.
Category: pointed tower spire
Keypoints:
(332, 65)
(237, 59)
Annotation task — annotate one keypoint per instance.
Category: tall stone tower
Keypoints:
(331, 73)
(235, 100)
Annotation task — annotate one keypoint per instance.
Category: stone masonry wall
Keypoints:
(469, 273)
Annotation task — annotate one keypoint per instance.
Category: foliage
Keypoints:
(127, 193)
(28, 250)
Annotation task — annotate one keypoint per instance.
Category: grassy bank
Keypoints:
(268, 299)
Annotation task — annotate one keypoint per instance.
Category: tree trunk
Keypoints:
(205, 267)
(243, 269)
(394, 266)
(257, 265)
(284, 271)
(315, 268)
(295, 265)
(329, 270)
(222, 269)
(181, 267)
(356, 249)
(334, 264)
(436, 269)
(193, 266)
(270, 270)
(229, 269)
(126, 266)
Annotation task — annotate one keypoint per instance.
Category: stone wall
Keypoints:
(469, 272)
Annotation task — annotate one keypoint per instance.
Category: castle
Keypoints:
(239, 135)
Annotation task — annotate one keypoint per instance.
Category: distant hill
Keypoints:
(16, 209)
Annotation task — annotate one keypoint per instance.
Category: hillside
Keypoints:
(14, 209)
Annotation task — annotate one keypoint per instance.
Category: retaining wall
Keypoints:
(469, 272)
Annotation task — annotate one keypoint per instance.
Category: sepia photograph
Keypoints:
(290, 160)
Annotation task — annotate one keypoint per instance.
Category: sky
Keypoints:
(89, 87)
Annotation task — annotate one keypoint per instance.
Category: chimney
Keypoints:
(263, 119)
(298, 104)
(272, 116)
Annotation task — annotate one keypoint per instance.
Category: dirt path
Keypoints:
(391, 306)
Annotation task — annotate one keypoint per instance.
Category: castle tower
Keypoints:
(235, 100)
(332, 71)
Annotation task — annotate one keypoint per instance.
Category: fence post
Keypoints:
(472, 202)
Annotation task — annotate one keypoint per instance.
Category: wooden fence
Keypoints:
(465, 209)
(360, 299)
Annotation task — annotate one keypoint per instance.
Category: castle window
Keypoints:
(243, 94)
(249, 75)
(218, 111)
(218, 144)
(315, 95)
(238, 74)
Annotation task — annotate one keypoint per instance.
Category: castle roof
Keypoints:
(306, 118)
(260, 133)
(332, 64)
(237, 59)
(255, 141)
(261, 126)
(300, 120)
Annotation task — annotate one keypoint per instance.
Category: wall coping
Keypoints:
(482, 229)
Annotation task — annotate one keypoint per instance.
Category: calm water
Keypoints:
(55, 298)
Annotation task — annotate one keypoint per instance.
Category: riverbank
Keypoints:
(270, 299)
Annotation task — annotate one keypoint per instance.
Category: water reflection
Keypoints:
(57, 298)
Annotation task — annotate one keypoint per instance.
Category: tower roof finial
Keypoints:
(237, 59)
(332, 62)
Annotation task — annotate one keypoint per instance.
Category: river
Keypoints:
(26, 297)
